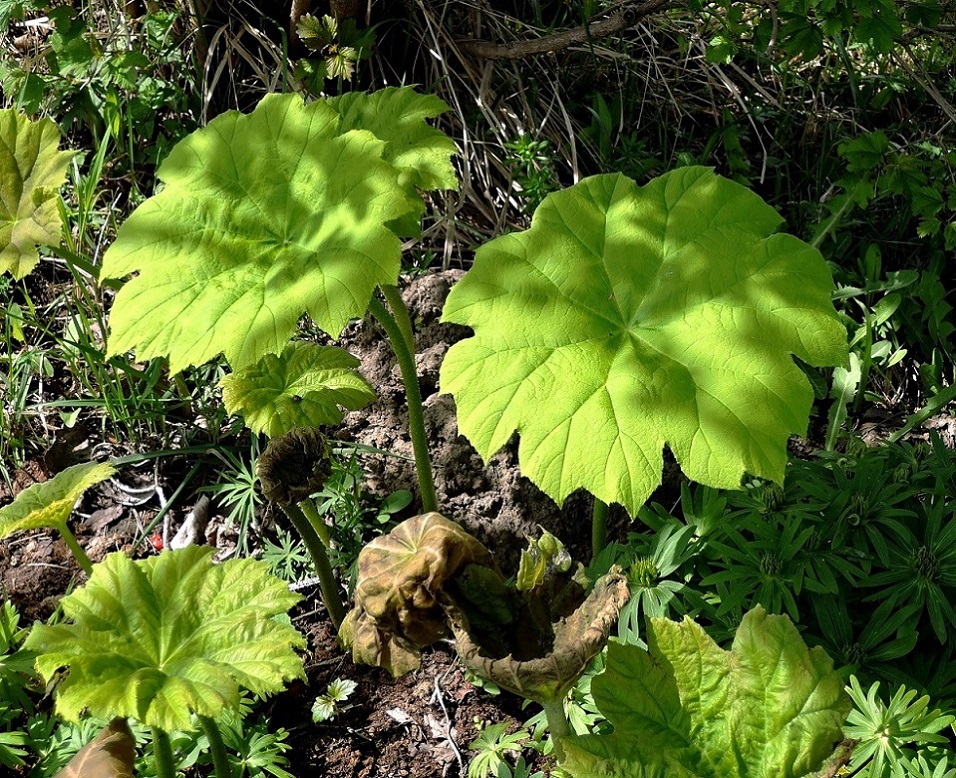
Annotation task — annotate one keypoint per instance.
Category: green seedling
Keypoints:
(628, 318)
(49, 505)
(161, 639)
(329, 705)
(768, 708)
(32, 170)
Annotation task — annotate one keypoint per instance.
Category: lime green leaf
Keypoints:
(159, 638)
(49, 504)
(397, 116)
(305, 386)
(262, 217)
(628, 318)
(32, 170)
(768, 708)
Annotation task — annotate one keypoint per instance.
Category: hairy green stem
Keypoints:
(217, 748)
(416, 414)
(330, 592)
(320, 527)
(558, 724)
(394, 299)
(599, 516)
(163, 754)
(78, 553)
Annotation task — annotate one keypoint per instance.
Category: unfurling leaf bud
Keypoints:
(294, 465)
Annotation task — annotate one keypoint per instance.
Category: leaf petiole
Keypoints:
(416, 415)
(217, 748)
(163, 754)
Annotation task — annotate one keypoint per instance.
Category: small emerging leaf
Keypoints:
(768, 708)
(326, 706)
(341, 689)
(294, 465)
(304, 386)
(110, 754)
(32, 170)
(161, 638)
(49, 504)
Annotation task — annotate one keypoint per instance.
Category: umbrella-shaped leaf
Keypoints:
(32, 169)
(49, 504)
(110, 754)
(628, 318)
(768, 708)
(160, 638)
(263, 217)
(305, 386)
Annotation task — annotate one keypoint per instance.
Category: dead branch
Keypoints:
(558, 41)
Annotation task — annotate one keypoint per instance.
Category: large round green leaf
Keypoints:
(629, 318)
(175, 634)
(263, 217)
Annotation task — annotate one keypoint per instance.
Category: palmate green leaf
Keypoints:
(632, 317)
(421, 153)
(304, 386)
(49, 504)
(263, 217)
(159, 638)
(397, 116)
(768, 708)
(32, 169)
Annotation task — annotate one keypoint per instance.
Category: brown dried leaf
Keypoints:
(399, 599)
(109, 755)
(577, 639)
